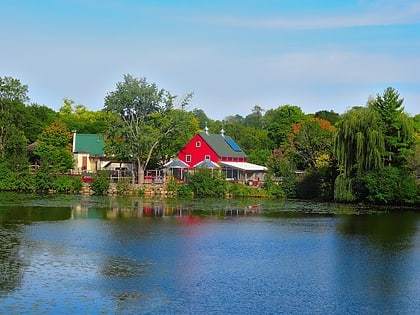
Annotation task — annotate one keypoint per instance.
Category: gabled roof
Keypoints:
(176, 163)
(89, 143)
(224, 146)
(207, 164)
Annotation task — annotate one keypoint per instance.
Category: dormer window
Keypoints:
(198, 144)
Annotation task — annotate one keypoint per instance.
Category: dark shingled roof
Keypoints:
(218, 143)
(89, 143)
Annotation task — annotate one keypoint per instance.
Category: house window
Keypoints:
(207, 157)
(188, 158)
(198, 144)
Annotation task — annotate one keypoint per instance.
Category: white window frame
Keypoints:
(188, 158)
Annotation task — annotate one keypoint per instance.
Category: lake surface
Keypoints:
(101, 255)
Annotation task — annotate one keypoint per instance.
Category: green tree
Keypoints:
(396, 126)
(282, 169)
(54, 148)
(311, 142)
(77, 117)
(36, 119)
(278, 123)
(202, 118)
(13, 95)
(255, 119)
(331, 116)
(367, 139)
(358, 146)
(144, 114)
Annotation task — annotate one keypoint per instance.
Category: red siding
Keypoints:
(232, 159)
(197, 153)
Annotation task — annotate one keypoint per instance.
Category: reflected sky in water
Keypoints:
(206, 257)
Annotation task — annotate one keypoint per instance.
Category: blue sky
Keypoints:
(232, 55)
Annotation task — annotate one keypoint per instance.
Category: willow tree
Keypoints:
(145, 117)
(358, 146)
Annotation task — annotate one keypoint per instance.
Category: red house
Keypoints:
(224, 152)
(213, 147)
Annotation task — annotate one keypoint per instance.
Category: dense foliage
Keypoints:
(367, 154)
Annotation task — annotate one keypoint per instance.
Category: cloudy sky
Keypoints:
(232, 55)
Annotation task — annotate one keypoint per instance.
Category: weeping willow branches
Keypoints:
(370, 138)
(358, 141)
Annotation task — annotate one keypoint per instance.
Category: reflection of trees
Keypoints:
(373, 260)
(125, 207)
(10, 261)
(388, 231)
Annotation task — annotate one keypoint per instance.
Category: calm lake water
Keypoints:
(100, 255)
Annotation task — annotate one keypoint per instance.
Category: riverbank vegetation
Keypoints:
(368, 154)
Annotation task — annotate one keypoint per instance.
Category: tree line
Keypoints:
(369, 153)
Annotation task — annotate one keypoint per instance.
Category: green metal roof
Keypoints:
(89, 143)
(219, 144)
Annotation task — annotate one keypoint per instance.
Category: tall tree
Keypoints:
(255, 118)
(144, 115)
(331, 116)
(358, 146)
(13, 95)
(13, 142)
(77, 117)
(279, 122)
(311, 141)
(396, 126)
(54, 148)
(36, 119)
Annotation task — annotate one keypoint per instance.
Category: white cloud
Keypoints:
(376, 14)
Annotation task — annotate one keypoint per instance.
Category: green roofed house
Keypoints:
(89, 157)
(88, 152)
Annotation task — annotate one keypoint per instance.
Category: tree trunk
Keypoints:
(140, 172)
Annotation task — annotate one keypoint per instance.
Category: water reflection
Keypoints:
(11, 262)
(130, 255)
(392, 231)
(12, 259)
(119, 208)
(373, 256)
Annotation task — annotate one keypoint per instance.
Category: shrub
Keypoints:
(43, 179)
(101, 182)
(123, 186)
(206, 183)
(389, 185)
(67, 184)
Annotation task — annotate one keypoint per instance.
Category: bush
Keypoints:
(43, 179)
(101, 182)
(67, 184)
(206, 183)
(181, 190)
(242, 190)
(123, 186)
(389, 185)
